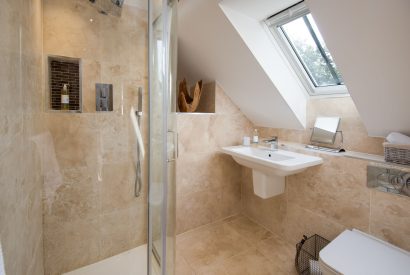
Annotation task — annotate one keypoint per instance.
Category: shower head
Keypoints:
(108, 7)
(118, 3)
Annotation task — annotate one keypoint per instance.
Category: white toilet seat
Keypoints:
(357, 253)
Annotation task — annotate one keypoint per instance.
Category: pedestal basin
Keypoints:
(269, 167)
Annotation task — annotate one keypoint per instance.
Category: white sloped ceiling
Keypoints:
(370, 41)
(211, 49)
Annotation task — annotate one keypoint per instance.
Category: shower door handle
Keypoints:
(172, 151)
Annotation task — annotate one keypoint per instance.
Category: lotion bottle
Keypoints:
(65, 98)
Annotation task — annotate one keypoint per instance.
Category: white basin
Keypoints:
(269, 167)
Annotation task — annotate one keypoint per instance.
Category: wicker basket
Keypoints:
(307, 254)
(397, 153)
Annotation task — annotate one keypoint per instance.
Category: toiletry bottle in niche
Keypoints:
(255, 136)
(65, 98)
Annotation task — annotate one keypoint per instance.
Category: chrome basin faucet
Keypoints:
(273, 142)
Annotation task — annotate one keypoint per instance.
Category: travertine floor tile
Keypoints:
(212, 245)
(233, 246)
(182, 267)
(279, 252)
(213, 269)
(250, 230)
(251, 262)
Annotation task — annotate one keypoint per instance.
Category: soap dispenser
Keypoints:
(255, 136)
(65, 98)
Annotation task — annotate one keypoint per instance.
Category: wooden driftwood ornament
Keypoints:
(187, 103)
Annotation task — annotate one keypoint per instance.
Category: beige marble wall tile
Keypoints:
(209, 182)
(20, 120)
(195, 209)
(198, 172)
(228, 200)
(336, 189)
(91, 71)
(300, 221)
(117, 186)
(189, 124)
(229, 130)
(332, 197)
(116, 232)
(390, 218)
(207, 102)
(270, 213)
(69, 244)
(77, 198)
(195, 173)
(95, 151)
(10, 73)
(139, 221)
(328, 199)
(354, 131)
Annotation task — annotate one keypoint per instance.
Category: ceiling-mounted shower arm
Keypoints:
(108, 7)
(118, 3)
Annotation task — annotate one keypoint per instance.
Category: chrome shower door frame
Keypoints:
(163, 140)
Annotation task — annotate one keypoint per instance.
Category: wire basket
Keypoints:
(397, 153)
(307, 254)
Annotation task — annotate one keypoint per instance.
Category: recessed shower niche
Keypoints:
(64, 82)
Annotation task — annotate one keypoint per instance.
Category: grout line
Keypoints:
(264, 227)
(188, 264)
(199, 228)
(223, 261)
(253, 247)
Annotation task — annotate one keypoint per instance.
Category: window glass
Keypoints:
(308, 44)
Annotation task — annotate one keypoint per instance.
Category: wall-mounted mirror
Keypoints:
(325, 130)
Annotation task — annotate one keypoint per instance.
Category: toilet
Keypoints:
(356, 253)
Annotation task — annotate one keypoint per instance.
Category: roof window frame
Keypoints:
(274, 25)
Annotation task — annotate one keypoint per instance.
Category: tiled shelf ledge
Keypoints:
(348, 154)
(188, 113)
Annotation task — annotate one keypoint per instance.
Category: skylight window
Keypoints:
(303, 45)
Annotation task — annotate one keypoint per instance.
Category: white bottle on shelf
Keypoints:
(255, 137)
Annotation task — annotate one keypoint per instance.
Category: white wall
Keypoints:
(267, 52)
(369, 40)
(211, 49)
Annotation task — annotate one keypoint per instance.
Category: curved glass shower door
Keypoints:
(163, 138)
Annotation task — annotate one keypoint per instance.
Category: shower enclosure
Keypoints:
(163, 136)
(102, 195)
